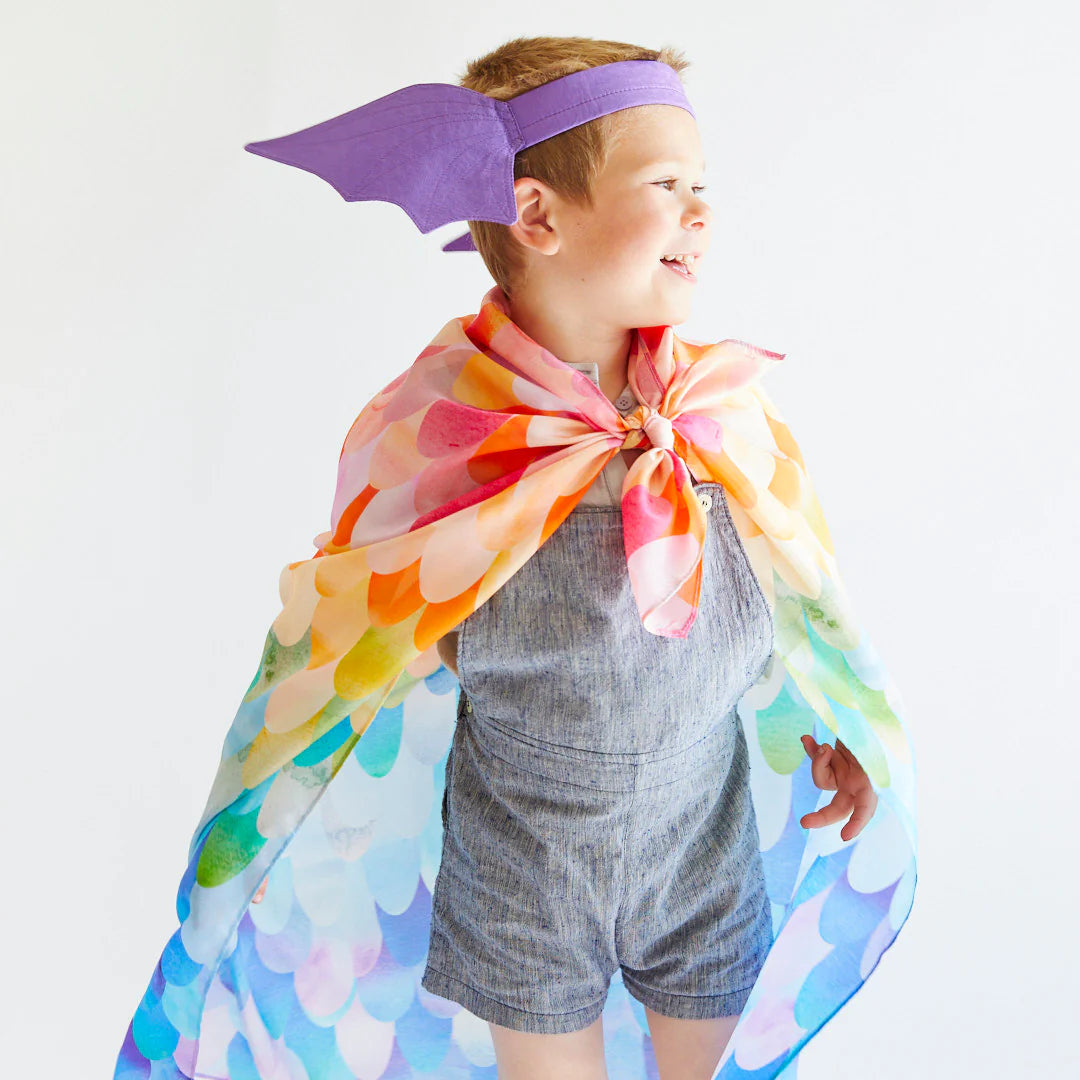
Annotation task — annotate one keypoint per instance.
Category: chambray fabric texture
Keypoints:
(597, 812)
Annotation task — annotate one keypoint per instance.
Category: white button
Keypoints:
(624, 402)
(706, 500)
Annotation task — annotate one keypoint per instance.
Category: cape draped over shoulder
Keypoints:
(331, 774)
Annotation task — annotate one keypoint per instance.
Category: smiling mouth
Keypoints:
(678, 268)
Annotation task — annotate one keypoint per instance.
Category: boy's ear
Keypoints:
(536, 203)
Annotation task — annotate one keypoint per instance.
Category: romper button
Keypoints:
(468, 705)
(624, 402)
(706, 500)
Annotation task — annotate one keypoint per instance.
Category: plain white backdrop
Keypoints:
(188, 331)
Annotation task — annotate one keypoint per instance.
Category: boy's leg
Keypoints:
(688, 1049)
(524, 1055)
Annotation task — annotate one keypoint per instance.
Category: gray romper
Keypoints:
(597, 812)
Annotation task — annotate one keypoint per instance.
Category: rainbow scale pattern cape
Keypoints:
(331, 774)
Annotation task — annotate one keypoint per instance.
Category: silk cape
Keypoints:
(330, 780)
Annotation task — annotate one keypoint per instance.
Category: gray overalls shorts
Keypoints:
(597, 812)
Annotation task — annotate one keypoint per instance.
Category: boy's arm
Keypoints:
(446, 647)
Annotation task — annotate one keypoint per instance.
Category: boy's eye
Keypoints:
(697, 187)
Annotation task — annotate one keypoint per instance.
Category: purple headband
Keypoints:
(446, 153)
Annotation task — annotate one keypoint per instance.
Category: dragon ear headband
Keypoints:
(446, 153)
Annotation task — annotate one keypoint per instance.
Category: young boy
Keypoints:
(592, 274)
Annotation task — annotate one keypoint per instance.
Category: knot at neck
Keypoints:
(646, 423)
(658, 430)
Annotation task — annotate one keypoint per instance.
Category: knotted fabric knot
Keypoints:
(646, 421)
(658, 428)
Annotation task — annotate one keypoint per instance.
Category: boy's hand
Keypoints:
(259, 891)
(835, 769)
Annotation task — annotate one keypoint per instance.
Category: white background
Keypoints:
(188, 330)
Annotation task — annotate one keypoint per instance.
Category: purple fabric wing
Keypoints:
(461, 243)
(441, 152)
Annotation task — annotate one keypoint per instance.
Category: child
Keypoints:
(598, 815)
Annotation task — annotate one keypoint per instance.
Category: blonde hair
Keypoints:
(569, 162)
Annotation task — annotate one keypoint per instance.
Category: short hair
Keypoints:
(569, 162)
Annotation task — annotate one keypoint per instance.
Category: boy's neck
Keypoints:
(578, 339)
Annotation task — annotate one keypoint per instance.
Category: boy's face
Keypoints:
(647, 204)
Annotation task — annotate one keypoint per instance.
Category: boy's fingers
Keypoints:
(847, 756)
(821, 768)
(835, 811)
(864, 811)
(859, 819)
